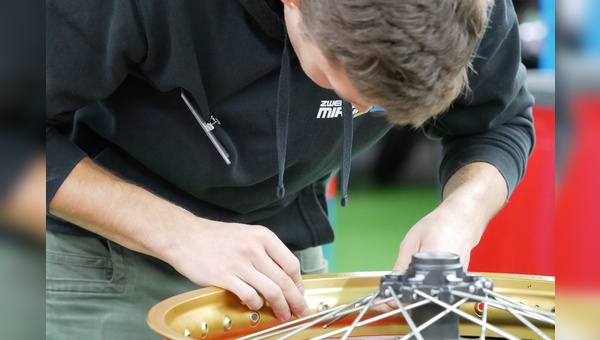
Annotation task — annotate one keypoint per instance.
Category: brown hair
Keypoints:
(408, 56)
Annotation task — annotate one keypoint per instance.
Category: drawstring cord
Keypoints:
(281, 130)
(346, 150)
(283, 113)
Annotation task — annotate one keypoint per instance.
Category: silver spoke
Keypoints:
(434, 298)
(340, 315)
(269, 332)
(435, 287)
(364, 303)
(503, 304)
(325, 317)
(407, 317)
(433, 319)
(359, 317)
(528, 324)
(301, 324)
(336, 314)
(484, 319)
(465, 315)
(373, 319)
(518, 305)
(510, 306)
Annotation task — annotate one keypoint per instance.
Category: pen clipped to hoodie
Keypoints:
(207, 127)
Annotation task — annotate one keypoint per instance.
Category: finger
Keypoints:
(383, 307)
(401, 265)
(404, 257)
(272, 293)
(292, 296)
(248, 295)
(464, 260)
(286, 260)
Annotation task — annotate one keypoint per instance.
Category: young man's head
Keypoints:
(408, 56)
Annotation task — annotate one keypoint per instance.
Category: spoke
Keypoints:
(362, 312)
(433, 319)
(407, 317)
(484, 319)
(300, 325)
(303, 327)
(269, 332)
(371, 320)
(465, 315)
(503, 304)
(528, 324)
(520, 306)
(333, 314)
(363, 304)
(340, 314)
(280, 329)
(519, 314)
(337, 318)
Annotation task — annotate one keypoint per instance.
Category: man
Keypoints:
(189, 143)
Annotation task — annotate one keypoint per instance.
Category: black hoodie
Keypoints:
(116, 71)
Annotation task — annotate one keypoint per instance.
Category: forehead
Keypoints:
(343, 87)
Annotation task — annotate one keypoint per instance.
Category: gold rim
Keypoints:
(213, 313)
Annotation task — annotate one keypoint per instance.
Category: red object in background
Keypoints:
(332, 189)
(577, 202)
(521, 238)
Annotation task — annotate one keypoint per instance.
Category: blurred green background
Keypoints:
(392, 186)
(369, 230)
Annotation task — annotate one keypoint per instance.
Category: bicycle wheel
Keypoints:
(484, 306)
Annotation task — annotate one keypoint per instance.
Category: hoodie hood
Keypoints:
(268, 14)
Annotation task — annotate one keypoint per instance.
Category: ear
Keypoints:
(292, 3)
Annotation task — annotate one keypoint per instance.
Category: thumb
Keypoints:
(464, 261)
(404, 259)
(400, 267)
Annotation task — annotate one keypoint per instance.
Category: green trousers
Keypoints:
(97, 289)
(21, 290)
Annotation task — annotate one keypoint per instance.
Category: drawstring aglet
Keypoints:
(344, 201)
(280, 190)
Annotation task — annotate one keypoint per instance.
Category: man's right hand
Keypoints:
(248, 260)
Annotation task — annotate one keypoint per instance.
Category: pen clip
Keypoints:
(207, 127)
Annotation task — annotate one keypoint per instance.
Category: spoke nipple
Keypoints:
(323, 306)
(254, 319)
(479, 309)
(227, 323)
(203, 329)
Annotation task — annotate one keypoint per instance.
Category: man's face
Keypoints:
(318, 68)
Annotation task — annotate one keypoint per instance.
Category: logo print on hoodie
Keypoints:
(330, 109)
(333, 109)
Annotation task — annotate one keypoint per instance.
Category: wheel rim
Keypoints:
(213, 313)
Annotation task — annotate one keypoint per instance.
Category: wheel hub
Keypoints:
(434, 274)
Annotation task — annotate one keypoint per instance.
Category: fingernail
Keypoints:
(285, 317)
(304, 313)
